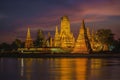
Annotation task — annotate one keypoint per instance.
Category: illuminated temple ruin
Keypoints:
(64, 40)
(28, 42)
(82, 44)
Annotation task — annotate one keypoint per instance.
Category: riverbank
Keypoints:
(60, 55)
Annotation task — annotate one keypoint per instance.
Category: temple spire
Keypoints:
(64, 38)
(82, 44)
(28, 34)
(56, 31)
(88, 33)
(28, 43)
(57, 37)
(83, 24)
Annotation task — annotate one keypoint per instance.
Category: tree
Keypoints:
(116, 46)
(5, 47)
(16, 44)
(105, 37)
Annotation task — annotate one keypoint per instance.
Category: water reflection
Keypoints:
(95, 68)
(22, 67)
(66, 69)
(26, 68)
(9, 69)
(54, 69)
(59, 69)
(81, 68)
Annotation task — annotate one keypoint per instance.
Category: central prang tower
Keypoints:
(65, 38)
(82, 44)
(65, 25)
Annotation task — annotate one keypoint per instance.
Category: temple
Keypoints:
(64, 38)
(49, 41)
(82, 44)
(28, 42)
(40, 40)
(64, 41)
(57, 38)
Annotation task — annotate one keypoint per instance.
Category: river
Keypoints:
(59, 69)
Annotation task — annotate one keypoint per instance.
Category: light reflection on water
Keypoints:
(59, 69)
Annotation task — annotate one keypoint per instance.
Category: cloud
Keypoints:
(3, 16)
(45, 15)
(97, 11)
(91, 12)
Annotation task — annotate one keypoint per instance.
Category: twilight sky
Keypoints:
(17, 15)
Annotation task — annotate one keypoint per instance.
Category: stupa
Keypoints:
(49, 41)
(28, 42)
(82, 44)
(65, 38)
(57, 38)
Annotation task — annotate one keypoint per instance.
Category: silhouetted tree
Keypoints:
(116, 46)
(16, 44)
(5, 47)
(105, 37)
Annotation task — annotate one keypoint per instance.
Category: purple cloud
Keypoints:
(16, 16)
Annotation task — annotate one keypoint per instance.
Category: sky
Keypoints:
(17, 15)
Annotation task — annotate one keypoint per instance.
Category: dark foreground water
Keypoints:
(59, 69)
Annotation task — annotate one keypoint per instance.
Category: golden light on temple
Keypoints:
(82, 41)
(28, 43)
(64, 40)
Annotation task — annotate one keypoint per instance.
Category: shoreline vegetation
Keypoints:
(60, 55)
